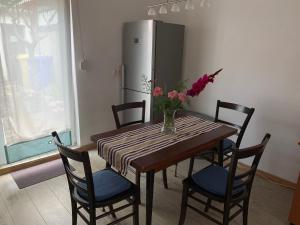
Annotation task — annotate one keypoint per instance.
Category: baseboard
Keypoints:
(19, 166)
(272, 178)
(23, 165)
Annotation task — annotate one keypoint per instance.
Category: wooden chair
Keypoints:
(228, 187)
(127, 106)
(96, 190)
(224, 153)
(227, 146)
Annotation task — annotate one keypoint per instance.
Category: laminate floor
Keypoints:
(49, 203)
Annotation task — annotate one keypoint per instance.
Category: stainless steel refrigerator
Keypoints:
(152, 50)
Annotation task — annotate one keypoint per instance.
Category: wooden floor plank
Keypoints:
(49, 207)
(5, 218)
(59, 187)
(269, 202)
(18, 203)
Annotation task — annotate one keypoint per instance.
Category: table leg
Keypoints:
(138, 184)
(220, 153)
(149, 196)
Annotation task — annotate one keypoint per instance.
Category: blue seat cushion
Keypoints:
(227, 145)
(213, 179)
(107, 184)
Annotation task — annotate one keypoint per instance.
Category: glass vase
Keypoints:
(169, 122)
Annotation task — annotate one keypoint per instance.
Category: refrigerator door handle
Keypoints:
(123, 76)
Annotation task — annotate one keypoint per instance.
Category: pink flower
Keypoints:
(157, 91)
(172, 94)
(182, 97)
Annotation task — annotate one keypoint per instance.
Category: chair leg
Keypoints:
(220, 154)
(245, 212)
(176, 167)
(212, 158)
(208, 203)
(111, 208)
(92, 213)
(74, 212)
(165, 179)
(138, 184)
(183, 204)
(226, 214)
(191, 166)
(136, 208)
(107, 165)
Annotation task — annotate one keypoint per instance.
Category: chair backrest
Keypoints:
(243, 109)
(126, 106)
(85, 185)
(244, 180)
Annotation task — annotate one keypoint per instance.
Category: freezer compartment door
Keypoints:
(136, 114)
(138, 53)
(169, 54)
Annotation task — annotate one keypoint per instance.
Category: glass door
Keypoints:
(35, 76)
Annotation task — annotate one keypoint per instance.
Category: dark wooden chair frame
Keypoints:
(210, 154)
(242, 128)
(126, 106)
(131, 105)
(230, 200)
(90, 205)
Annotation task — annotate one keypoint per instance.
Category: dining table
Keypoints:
(176, 151)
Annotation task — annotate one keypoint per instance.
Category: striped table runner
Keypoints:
(121, 149)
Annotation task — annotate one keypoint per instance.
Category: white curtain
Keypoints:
(35, 69)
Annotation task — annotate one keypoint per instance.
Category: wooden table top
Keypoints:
(168, 156)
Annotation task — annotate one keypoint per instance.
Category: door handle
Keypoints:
(122, 75)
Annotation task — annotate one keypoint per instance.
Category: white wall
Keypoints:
(256, 42)
(98, 88)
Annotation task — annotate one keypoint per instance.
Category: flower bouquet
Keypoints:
(169, 101)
